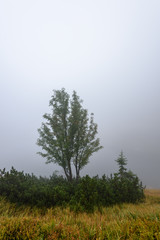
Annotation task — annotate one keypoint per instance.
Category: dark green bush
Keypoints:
(127, 188)
(85, 195)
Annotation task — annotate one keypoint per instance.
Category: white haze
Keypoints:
(109, 52)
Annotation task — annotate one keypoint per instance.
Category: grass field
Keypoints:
(126, 221)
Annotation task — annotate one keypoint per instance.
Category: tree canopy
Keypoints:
(68, 137)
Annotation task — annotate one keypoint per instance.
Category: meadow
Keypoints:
(123, 221)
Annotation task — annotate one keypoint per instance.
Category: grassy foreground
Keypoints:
(126, 221)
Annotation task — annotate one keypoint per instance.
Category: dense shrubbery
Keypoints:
(83, 195)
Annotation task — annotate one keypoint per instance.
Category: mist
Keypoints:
(108, 52)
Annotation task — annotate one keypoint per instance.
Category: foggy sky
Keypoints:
(108, 52)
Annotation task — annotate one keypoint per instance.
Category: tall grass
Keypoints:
(125, 221)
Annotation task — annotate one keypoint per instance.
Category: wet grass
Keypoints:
(125, 221)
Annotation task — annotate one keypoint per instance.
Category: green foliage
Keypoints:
(68, 137)
(122, 162)
(30, 190)
(127, 186)
(92, 193)
(86, 194)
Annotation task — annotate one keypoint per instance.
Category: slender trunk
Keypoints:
(70, 170)
(77, 173)
(76, 167)
(67, 176)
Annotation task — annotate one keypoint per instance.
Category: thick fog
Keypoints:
(108, 52)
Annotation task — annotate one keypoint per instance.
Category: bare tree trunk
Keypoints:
(69, 170)
(77, 173)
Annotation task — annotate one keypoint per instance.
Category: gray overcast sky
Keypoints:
(106, 50)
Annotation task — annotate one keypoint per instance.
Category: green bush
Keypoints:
(86, 194)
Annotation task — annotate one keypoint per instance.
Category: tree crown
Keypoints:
(68, 137)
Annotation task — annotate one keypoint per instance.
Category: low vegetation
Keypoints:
(85, 208)
(85, 195)
(120, 221)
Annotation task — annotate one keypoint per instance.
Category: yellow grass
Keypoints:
(152, 192)
(126, 221)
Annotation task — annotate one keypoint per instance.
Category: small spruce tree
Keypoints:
(122, 162)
